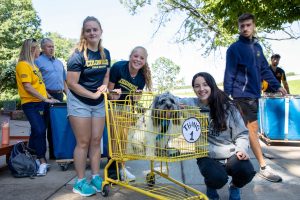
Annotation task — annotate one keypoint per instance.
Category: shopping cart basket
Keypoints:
(137, 131)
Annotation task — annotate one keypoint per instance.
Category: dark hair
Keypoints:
(246, 16)
(277, 56)
(219, 103)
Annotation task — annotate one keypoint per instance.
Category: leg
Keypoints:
(249, 110)
(94, 148)
(35, 115)
(254, 142)
(241, 171)
(215, 175)
(82, 130)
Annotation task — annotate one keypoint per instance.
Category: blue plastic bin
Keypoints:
(63, 137)
(279, 118)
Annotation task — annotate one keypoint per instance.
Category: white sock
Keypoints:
(95, 175)
(79, 180)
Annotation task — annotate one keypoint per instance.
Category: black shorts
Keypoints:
(249, 108)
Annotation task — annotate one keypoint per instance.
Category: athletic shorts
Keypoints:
(79, 109)
(249, 108)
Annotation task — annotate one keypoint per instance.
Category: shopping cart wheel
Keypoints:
(150, 178)
(64, 166)
(105, 190)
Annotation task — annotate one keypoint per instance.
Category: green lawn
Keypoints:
(294, 87)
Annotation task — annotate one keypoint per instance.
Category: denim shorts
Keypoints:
(79, 109)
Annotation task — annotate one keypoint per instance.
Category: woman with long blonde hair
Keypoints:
(129, 76)
(87, 79)
(34, 100)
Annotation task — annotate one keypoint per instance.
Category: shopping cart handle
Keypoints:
(112, 92)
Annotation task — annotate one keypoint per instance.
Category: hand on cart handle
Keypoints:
(114, 94)
(282, 91)
(102, 88)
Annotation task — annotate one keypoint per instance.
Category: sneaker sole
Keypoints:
(84, 195)
(271, 180)
(41, 174)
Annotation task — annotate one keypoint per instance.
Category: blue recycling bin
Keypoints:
(63, 137)
(279, 118)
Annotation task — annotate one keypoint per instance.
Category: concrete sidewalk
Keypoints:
(58, 184)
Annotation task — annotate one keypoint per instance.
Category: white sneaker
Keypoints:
(126, 175)
(38, 163)
(42, 170)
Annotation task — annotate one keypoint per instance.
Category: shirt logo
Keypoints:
(125, 84)
(39, 75)
(97, 63)
(258, 54)
(24, 75)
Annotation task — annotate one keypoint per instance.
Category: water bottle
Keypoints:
(5, 132)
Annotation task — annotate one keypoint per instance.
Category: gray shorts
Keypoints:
(79, 109)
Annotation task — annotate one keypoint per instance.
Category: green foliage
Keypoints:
(19, 21)
(164, 74)
(8, 76)
(10, 95)
(290, 74)
(213, 23)
(63, 46)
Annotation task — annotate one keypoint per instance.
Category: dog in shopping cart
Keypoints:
(154, 129)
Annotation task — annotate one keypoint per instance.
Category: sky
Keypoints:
(122, 32)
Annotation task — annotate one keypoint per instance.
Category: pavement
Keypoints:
(57, 184)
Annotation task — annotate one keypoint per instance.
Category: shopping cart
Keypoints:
(136, 131)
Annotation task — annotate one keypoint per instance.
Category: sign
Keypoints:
(191, 130)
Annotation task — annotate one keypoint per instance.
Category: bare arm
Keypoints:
(28, 87)
(286, 86)
(72, 81)
(113, 96)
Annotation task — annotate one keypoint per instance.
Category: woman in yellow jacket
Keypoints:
(34, 99)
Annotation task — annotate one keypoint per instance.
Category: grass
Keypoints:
(294, 86)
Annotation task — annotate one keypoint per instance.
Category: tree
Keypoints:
(63, 46)
(165, 72)
(213, 23)
(19, 21)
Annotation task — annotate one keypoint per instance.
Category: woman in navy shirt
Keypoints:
(87, 78)
(125, 77)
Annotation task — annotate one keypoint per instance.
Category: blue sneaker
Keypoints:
(234, 193)
(212, 193)
(83, 188)
(96, 182)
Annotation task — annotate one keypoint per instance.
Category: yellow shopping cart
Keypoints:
(137, 131)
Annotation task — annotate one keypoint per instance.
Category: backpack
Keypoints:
(21, 162)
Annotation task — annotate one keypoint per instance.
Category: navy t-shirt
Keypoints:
(279, 75)
(120, 76)
(92, 72)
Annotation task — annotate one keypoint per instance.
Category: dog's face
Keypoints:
(166, 101)
(164, 106)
